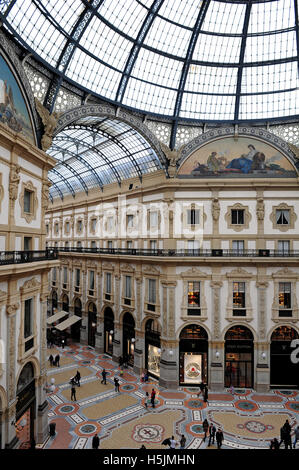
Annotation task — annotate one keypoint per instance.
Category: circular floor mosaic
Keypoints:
(197, 428)
(88, 428)
(245, 405)
(198, 404)
(255, 426)
(293, 405)
(147, 433)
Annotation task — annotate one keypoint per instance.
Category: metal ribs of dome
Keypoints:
(210, 61)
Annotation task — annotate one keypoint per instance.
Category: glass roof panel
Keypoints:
(207, 107)
(261, 106)
(183, 12)
(65, 14)
(270, 78)
(105, 43)
(211, 48)
(270, 47)
(225, 18)
(271, 16)
(203, 79)
(126, 15)
(160, 33)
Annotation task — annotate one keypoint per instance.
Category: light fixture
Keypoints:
(111, 332)
(133, 340)
(93, 324)
(170, 353)
(217, 354)
(263, 355)
(52, 380)
(159, 351)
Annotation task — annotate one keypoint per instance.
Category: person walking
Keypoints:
(202, 387)
(287, 435)
(146, 399)
(282, 435)
(183, 442)
(205, 426)
(57, 359)
(274, 444)
(296, 437)
(212, 432)
(78, 378)
(219, 438)
(173, 443)
(153, 397)
(104, 373)
(95, 442)
(51, 359)
(116, 383)
(73, 392)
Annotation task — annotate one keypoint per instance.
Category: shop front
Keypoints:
(152, 348)
(108, 331)
(26, 407)
(239, 357)
(128, 338)
(76, 327)
(193, 355)
(283, 372)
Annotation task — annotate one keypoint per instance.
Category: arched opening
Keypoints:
(75, 328)
(26, 404)
(239, 357)
(108, 331)
(193, 355)
(152, 347)
(92, 324)
(65, 303)
(128, 338)
(283, 372)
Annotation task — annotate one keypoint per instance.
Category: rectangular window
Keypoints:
(66, 245)
(152, 291)
(28, 318)
(283, 247)
(282, 216)
(238, 296)
(130, 221)
(153, 219)
(67, 227)
(193, 216)
(191, 247)
(93, 224)
(27, 201)
(153, 245)
(109, 245)
(54, 277)
(109, 224)
(65, 275)
(108, 283)
(79, 245)
(284, 295)
(77, 277)
(47, 229)
(193, 294)
(79, 225)
(91, 280)
(238, 246)
(128, 287)
(27, 243)
(93, 244)
(56, 228)
(129, 244)
(237, 216)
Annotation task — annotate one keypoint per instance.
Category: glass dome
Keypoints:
(210, 60)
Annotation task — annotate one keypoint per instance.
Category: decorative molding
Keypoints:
(29, 216)
(151, 270)
(14, 179)
(12, 308)
(127, 268)
(30, 285)
(247, 217)
(239, 273)
(293, 217)
(260, 208)
(193, 274)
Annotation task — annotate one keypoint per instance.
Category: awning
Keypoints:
(66, 323)
(56, 317)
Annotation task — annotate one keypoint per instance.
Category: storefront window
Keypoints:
(154, 355)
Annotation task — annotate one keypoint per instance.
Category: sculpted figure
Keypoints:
(49, 122)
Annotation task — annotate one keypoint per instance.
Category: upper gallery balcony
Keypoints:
(17, 257)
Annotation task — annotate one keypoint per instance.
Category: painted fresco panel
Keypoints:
(240, 157)
(13, 110)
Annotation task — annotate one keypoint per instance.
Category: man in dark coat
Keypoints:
(95, 442)
(104, 373)
(57, 359)
(219, 438)
(153, 397)
(78, 378)
(212, 432)
(205, 426)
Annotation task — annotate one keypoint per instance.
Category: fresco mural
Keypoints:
(232, 157)
(13, 111)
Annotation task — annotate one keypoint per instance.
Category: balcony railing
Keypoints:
(16, 257)
(182, 253)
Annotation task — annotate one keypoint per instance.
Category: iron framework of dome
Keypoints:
(205, 61)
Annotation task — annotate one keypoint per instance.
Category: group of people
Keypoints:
(153, 398)
(213, 434)
(144, 376)
(285, 437)
(54, 361)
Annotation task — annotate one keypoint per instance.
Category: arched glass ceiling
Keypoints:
(95, 151)
(210, 60)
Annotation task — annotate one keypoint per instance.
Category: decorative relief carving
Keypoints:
(49, 122)
(173, 157)
(260, 209)
(14, 179)
(45, 195)
(127, 268)
(215, 209)
(151, 270)
(12, 308)
(31, 284)
(193, 273)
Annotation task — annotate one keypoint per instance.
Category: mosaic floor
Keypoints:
(249, 420)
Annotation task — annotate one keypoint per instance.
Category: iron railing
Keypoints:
(181, 253)
(16, 257)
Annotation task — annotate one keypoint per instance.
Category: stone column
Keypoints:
(138, 352)
(169, 363)
(84, 323)
(216, 349)
(11, 438)
(262, 347)
(41, 398)
(99, 346)
(117, 343)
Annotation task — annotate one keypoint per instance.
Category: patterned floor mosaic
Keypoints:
(123, 421)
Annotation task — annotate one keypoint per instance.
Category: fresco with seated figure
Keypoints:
(13, 110)
(236, 157)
